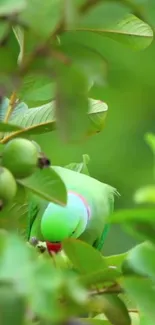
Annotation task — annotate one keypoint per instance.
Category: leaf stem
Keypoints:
(11, 106)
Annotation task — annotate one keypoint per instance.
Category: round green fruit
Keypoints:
(20, 156)
(8, 186)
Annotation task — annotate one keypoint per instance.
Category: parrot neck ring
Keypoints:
(84, 202)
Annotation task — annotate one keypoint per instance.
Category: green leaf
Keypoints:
(145, 194)
(141, 259)
(142, 230)
(36, 89)
(128, 301)
(138, 222)
(115, 310)
(115, 260)
(133, 215)
(44, 20)
(150, 140)
(102, 15)
(13, 216)
(19, 34)
(19, 108)
(7, 127)
(9, 269)
(143, 293)
(105, 276)
(83, 256)
(47, 184)
(97, 115)
(11, 7)
(12, 305)
(71, 101)
(129, 30)
(42, 119)
(92, 63)
(45, 284)
(80, 167)
(133, 32)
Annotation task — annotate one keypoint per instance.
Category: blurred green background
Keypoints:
(119, 155)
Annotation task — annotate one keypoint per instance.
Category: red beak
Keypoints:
(53, 247)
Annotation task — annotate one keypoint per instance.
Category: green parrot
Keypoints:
(85, 216)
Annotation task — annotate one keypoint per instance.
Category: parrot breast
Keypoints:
(60, 225)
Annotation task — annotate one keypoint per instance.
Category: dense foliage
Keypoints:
(51, 64)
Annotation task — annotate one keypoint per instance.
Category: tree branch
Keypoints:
(11, 106)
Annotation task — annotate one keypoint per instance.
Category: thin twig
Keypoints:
(133, 311)
(11, 106)
(112, 289)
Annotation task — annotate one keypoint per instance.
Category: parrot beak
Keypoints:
(54, 247)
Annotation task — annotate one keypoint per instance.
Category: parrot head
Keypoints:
(59, 223)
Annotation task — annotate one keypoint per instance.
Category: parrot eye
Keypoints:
(73, 232)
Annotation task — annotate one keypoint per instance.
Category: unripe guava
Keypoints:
(8, 186)
(36, 145)
(20, 156)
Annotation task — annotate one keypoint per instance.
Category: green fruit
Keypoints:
(37, 146)
(20, 156)
(8, 186)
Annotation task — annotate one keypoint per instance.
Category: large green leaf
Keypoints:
(115, 260)
(92, 63)
(20, 107)
(139, 222)
(102, 15)
(8, 127)
(12, 305)
(36, 89)
(13, 216)
(9, 269)
(115, 310)
(47, 184)
(142, 259)
(83, 256)
(142, 291)
(43, 20)
(130, 31)
(133, 32)
(10, 7)
(42, 119)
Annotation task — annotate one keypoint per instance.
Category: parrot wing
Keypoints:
(35, 212)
